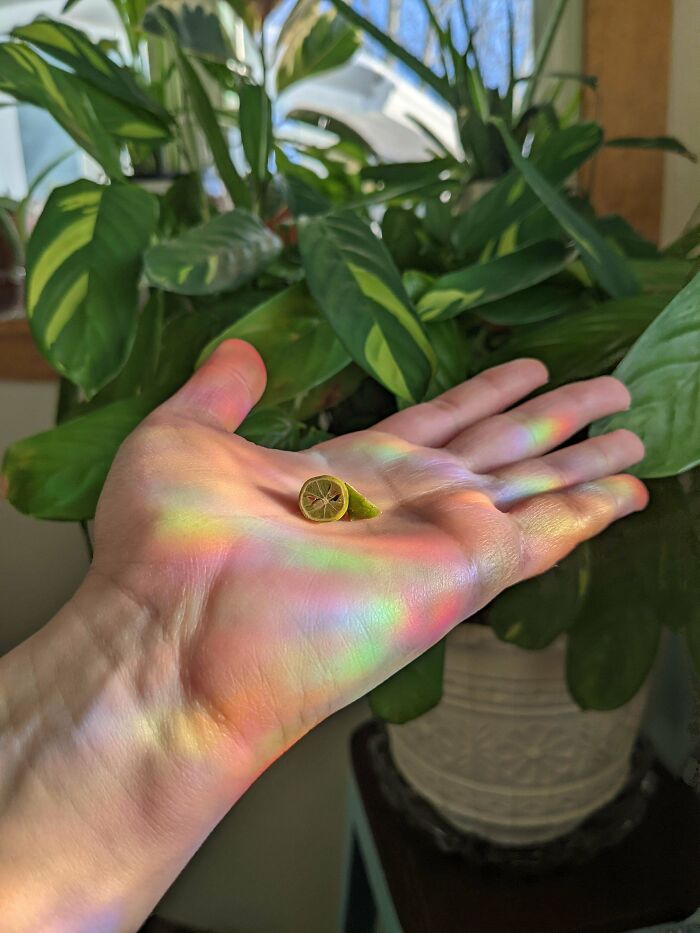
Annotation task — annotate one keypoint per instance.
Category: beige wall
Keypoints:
(274, 864)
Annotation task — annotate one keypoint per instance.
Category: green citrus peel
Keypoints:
(327, 499)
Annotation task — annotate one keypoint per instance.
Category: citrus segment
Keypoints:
(323, 499)
(359, 506)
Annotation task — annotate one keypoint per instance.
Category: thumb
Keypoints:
(224, 389)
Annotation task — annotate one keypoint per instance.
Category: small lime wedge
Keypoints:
(323, 499)
(359, 506)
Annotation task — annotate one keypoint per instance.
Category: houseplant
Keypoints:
(128, 291)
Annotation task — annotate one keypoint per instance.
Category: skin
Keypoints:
(216, 625)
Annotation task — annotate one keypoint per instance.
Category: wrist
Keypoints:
(105, 756)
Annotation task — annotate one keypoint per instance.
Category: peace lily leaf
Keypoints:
(413, 690)
(539, 303)
(272, 427)
(663, 376)
(356, 284)
(216, 256)
(27, 77)
(533, 613)
(255, 124)
(588, 343)
(59, 474)
(605, 265)
(510, 199)
(663, 143)
(294, 339)
(612, 645)
(75, 49)
(327, 42)
(453, 355)
(484, 282)
(83, 270)
(196, 24)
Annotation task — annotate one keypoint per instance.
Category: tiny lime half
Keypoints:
(323, 499)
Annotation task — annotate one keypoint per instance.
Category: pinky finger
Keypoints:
(553, 524)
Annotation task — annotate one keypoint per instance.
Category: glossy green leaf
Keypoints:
(294, 339)
(409, 173)
(413, 690)
(662, 372)
(453, 355)
(605, 265)
(206, 116)
(272, 427)
(533, 613)
(328, 42)
(195, 24)
(83, 268)
(539, 303)
(75, 49)
(588, 343)
(255, 124)
(356, 284)
(217, 256)
(421, 70)
(666, 275)
(59, 474)
(489, 281)
(510, 200)
(612, 646)
(662, 143)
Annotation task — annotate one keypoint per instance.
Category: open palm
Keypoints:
(278, 621)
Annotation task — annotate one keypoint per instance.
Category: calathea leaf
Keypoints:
(357, 286)
(83, 268)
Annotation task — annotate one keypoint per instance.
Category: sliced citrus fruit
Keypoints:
(323, 499)
(359, 506)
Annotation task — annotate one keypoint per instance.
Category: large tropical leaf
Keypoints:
(511, 200)
(484, 282)
(255, 124)
(355, 282)
(539, 303)
(195, 24)
(662, 372)
(604, 264)
(88, 61)
(413, 690)
(588, 343)
(207, 119)
(83, 268)
(27, 77)
(217, 256)
(59, 474)
(294, 339)
(272, 427)
(327, 42)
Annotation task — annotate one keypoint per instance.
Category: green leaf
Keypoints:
(605, 265)
(27, 77)
(510, 200)
(543, 49)
(663, 143)
(409, 173)
(613, 644)
(686, 244)
(75, 49)
(662, 373)
(294, 339)
(539, 303)
(217, 256)
(437, 83)
(206, 116)
(413, 690)
(272, 427)
(327, 42)
(588, 343)
(59, 474)
(255, 123)
(485, 282)
(633, 244)
(355, 282)
(533, 613)
(453, 355)
(83, 270)
(196, 25)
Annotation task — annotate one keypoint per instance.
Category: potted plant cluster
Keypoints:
(366, 287)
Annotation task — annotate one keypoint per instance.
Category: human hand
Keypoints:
(274, 621)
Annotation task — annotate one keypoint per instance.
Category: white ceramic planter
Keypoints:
(507, 754)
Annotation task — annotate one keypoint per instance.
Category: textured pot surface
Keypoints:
(507, 754)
